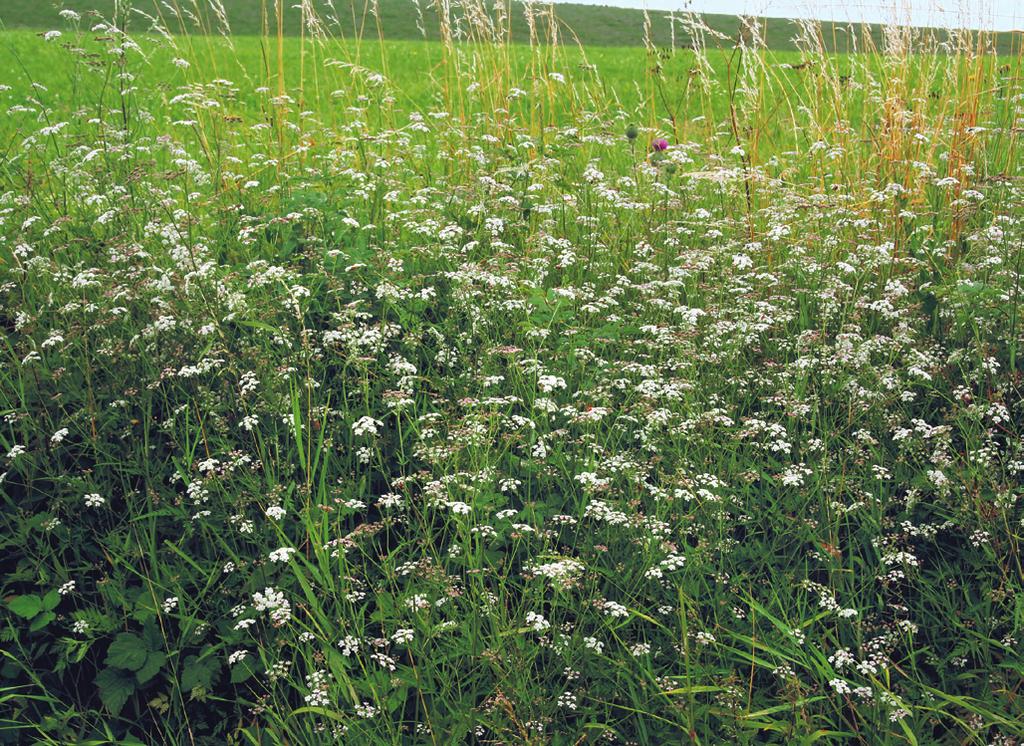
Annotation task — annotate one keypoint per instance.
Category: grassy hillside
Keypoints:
(400, 19)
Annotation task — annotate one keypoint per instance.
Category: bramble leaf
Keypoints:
(155, 659)
(198, 672)
(115, 687)
(50, 600)
(41, 620)
(127, 651)
(25, 606)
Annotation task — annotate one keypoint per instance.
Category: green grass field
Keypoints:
(594, 26)
(474, 392)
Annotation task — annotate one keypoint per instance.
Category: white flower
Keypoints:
(59, 436)
(390, 501)
(402, 636)
(273, 600)
(562, 572)
(867, 667)
(615, 610)
(237, 657)
(366, 710)
(547, 384)
(417, 602)
(794, 476)
(276, 512)
(568, 700)
(366, 426)
(840, 686)
(318, 683)
(93, 500)
(170, 604)
(640, 648)
(537, 622)
(742, 261)
(281, 555)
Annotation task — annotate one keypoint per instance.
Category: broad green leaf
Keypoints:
(25, 606)
(41, 621)
(115, 687)
(127, 651)
(155, 659)
(50, 600)
(151, 636)
(198, 672)
(242, 671)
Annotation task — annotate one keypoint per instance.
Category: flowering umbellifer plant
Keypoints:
(343, 403)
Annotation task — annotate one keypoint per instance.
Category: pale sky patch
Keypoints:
(1000, 15)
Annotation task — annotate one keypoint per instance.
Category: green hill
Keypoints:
(401, 19)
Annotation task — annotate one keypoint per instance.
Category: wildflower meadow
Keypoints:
(474, 390)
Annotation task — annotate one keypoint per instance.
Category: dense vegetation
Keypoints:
(466, 392)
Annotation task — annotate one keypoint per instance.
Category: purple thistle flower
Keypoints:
(659, 144)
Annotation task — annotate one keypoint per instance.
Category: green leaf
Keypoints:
(25, 606)
(127, 651)
(154, 662)
(833, 735)
(198, 672)
(160, 704)
(397, 698)
(50, 600)
(41, 621)
(696, 689)
(144, 609)
(908, 732)
(115, 688)
(242, 671)
(151, 634)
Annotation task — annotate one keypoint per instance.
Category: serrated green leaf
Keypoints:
(151, 635)
(155, 660)
(242, 671)
(144, 609)
(160, 704)
(198, 672)
(127, 651)
(25, 606)
(50, 600)
(115, 687)
(41, 621)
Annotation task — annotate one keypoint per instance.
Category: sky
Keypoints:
(999, 15)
